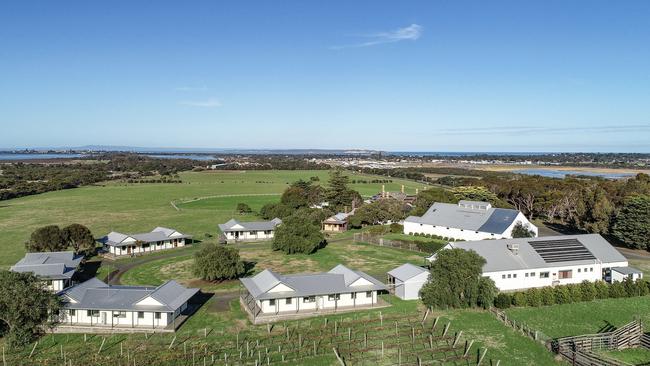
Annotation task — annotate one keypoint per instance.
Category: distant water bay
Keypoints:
(552, 173)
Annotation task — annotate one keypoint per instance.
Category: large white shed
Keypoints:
(407, 280)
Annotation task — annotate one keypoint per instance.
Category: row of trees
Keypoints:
(51, 238)
(565, 294)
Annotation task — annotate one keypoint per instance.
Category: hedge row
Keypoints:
(433, 236)
(565, 294)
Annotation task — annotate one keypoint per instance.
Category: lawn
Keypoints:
(583, 317)
(634, 356)
(372, 259)
(141, 207)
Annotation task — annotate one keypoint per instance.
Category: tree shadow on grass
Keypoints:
(87, 271)
(608, 327)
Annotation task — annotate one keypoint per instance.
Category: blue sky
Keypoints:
(413, 76)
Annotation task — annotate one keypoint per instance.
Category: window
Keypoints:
(476, 232)
(353, 295)
(309, 299)
(509, 275)
(543, 274)
(591, 269)
(119, 314)
(272, 302)
(532, 274)
(368, 293)
(158, 316)
(579, 270)
(73, 312)
(92, 313)
(514, 275)
(585, 269)
(491, 234)
(267, 232)
(287, 301)
(526, 274)
(334, 297)
(503, 277)
(140, 314)
(565, 274)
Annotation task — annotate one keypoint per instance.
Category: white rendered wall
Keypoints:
(130, 319)
(467, 235)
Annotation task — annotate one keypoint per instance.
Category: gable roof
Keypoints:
(158, 234)
(249, 225)
(49, 265)
(339, 218)
(407, 271)
(468, 215)
(499, 258)
(97, 295)
(338, 280)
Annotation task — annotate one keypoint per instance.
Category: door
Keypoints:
(103, 316)
(128, 249)
(175, 243)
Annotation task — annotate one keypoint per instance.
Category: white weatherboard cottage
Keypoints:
(160, 238)
(519, 264)
(467, 220)
(407, 280)
(56, 269)
(94, 303)
(272, 294)
(236, 231)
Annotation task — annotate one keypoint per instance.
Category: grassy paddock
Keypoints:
(141, 207)
(372, 259)
(583, 317)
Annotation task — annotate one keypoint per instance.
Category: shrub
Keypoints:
(503, 301)
(533, 297)
(519, 299)
(562, 295)
(547, 295)
(487, 291)
(587, 290)
(602, 290)
(575, 292)
(298, 234)
(396, 228)
(217, 262)
(429, 247)
(616, 290)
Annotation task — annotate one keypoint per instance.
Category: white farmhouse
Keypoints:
(160, 238)
(235, 231)
(467, 220)
(407, 280)
(95, 304)
(517, 264)
(270, 296)
(56, 269)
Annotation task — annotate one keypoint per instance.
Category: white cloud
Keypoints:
(410, 33)
(208, 103)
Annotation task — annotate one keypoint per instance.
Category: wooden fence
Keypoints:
(378, 240)
(583, 350)
(521, 327)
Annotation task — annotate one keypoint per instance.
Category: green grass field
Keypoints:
(583, 317)
(372, 259)
(141, 207)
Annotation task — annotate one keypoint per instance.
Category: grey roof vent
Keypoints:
(514, 248)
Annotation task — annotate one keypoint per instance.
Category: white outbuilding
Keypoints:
(407, 280)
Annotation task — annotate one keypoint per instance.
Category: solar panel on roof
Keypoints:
(561, 250)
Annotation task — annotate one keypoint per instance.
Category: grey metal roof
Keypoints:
(336, 281)
(158, 234)
(249, 225)
(97, 295)
(407, 271)
(499, 258)
(339, 218)
(491, 220)
(49, 265)
(626, 270)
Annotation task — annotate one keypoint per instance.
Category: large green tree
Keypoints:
(298, 234)
(522, 231)
(379, 212)
(455, 280)
(80, 238)
(428, 197)
(633, 222)
(338, 194)
(25, 307)
(214, 262)
(598, 211)
(46, 239)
